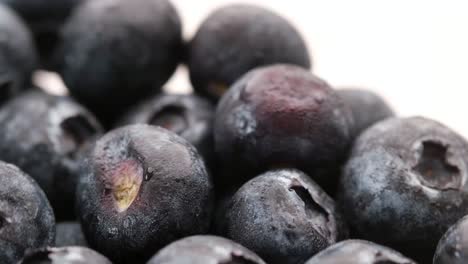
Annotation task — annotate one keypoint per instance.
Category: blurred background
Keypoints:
(414, 53)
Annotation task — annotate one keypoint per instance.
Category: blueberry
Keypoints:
(189, 116)
(44, 18)
(45, 135)
(115, 52)
(283, 216)
(367, 107)
(26, 218)
(205, 249)
(405, 184)
(18, 56)
(453, 247)
(69, 234)
(359, 252)
(65, 255)
(282, 116)
(236, 39)
(142, 187)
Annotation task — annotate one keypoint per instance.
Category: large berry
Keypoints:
(236, 39)
(114, 52)
(283, 216)
(141, 188)
(282, 116)
(406, 184)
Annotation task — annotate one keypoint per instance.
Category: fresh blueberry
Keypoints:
(142, 187)
(26, 218)
(236, 39)
(406, 184)
(115, 52)
(359, 252)
(283, 216)
(45, 136)
(205, 249)
(282, 116)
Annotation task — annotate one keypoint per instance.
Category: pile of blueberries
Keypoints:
(264, 163)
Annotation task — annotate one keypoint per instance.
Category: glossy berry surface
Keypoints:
(45, 135)
(44, 18)
(282, 116)
(405, 184)
(141, 188)
(359, 252)
(110, 58)
(453, 247)
(69, 234)
(189, 116)
(65, 255)
(205, 249)
(236, 39)
(367, 107)
(283, 216)
(26, 218)
(18, 56)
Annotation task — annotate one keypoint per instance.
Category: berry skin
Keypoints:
(453, 247)
(26, 218)
(69, 234)
(205, 249)
(283, 216)
(18, 56)
(367, 107)
(45, 136)
(358, 252)
(110, 58)
(405, 184)
(189, 116)
(44, 18)
(141, 188)
(282, 116)
(65, 255)
(236, 39)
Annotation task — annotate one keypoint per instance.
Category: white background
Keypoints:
(414, 53)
